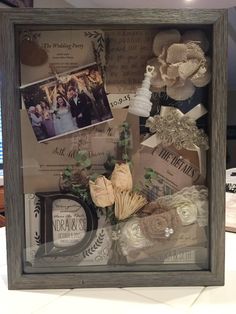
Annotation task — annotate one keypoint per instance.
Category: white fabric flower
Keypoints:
(187, 212)
(191, 204)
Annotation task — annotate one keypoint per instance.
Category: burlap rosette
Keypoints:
(160, 226)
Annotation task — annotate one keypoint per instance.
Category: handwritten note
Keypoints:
(43, 162)
(127, 54)
(118, 101)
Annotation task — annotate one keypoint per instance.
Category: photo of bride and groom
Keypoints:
(70, 103)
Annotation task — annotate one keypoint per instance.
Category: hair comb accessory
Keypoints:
(142, 105)
(172, 127)
(178, 130)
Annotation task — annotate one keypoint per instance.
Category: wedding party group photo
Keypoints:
(66, 103)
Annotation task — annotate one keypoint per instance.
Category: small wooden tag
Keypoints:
(31, 54)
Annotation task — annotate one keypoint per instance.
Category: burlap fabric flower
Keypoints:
(160, 226)
(152, 207)
(180, 63)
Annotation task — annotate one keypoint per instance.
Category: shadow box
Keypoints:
(114, 127)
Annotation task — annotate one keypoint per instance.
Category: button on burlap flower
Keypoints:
(160, 226)
(180, 63)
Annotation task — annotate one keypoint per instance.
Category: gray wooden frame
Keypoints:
(9, 20)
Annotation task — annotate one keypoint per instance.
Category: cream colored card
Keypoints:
(44, 162)
(178, 168)
(66, 49)
(117, 101)
(127, 54)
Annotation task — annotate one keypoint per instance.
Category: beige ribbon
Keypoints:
(195, 113)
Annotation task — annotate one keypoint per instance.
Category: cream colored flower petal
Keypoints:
(198, 36)
(121, 177)
(180, 82)
(202, 80)
(177, 53)
(102, 192)
(165, 38)
(173, 71)
(188, 68)
(203, 76)
(156, 79)
(195, 51)
(155, 89)
(166, 79)
(181, 92)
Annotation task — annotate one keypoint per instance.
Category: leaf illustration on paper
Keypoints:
(98, 37)
(37, 238)
(37, 208)
(95, 246)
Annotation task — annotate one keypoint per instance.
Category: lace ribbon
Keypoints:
(172, 127)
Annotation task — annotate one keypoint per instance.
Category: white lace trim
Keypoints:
(191, 204)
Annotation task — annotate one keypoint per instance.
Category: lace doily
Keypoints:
(181, 132)
(191, 203)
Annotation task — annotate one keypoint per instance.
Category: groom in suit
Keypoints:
(80, 108)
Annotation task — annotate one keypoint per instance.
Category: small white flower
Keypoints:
(187, 212)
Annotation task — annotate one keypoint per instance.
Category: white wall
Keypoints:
(51, 4)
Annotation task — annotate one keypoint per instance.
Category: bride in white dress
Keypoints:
(63, 121)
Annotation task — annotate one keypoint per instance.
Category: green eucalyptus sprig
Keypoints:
(76, 178)
(124, 142)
